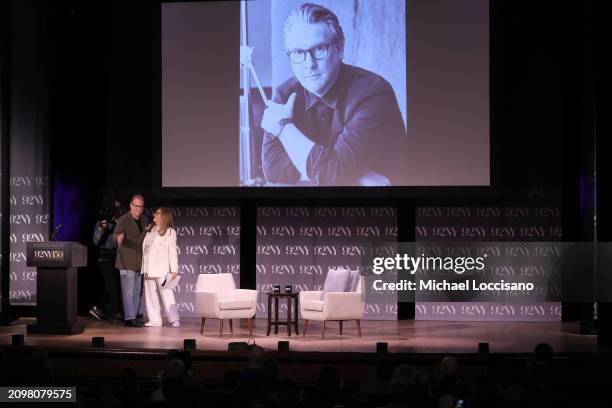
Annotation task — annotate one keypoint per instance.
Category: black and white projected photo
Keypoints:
(282, 93)
(339, 93)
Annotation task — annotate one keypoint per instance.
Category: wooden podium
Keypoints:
(56, 284)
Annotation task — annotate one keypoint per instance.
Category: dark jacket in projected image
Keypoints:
(367, 132)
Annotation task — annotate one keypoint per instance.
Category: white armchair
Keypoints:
(338, 306)
(216, 297)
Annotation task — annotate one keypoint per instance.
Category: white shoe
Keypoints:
(176, 324)
(151, 324)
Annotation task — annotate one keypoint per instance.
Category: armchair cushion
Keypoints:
(207, 303)
(352, 281)
(316, 305)
(249, 294)
(220, 283)
(234, 304)
(309, 295)
(343, 306)
(335, 281)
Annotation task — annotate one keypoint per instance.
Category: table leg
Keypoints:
(295, 317)
(289, 315)
(269, 314)
(275, 315)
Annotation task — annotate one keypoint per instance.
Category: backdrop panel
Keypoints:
(297, 246)
(29, 133)
(491, 224)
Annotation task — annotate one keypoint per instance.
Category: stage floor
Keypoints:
(406, 336)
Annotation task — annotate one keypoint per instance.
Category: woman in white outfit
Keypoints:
(160, 263)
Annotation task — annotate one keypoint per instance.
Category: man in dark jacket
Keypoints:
(332, 124)
(129, 234)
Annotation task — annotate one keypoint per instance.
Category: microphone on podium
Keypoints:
(55, 231)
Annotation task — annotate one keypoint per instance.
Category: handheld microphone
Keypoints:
(55, 231)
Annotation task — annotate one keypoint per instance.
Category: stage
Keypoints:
(405, 336)
(420, 343)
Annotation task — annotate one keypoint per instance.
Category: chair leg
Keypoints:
(220, 327)
(305, 327)
(250, 321)
(231, 327)
(359, 327)
(340, 321)
(202, 325)
(323, 330)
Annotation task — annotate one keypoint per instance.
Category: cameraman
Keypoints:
(106, 248)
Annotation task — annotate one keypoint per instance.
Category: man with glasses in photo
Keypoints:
(332, 124)
(129, 234)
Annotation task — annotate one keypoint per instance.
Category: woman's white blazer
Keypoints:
(159, 253)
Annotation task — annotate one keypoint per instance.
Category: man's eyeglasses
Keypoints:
(137, 206)
(318, 53)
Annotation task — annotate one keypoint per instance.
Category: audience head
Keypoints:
(257, 358)
(515, 397)
(231, 380)
(270, 367)
(543, 353)
(40, 357)
(419, 380)
(328, 378)
(175, 368)
(109, 401)
(173, 388)
(445, 401)
(129, 374)
(402, 375)
(183, 355)
(384, 369)
(449, 367)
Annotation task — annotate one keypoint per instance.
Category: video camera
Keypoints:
(109, 210)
